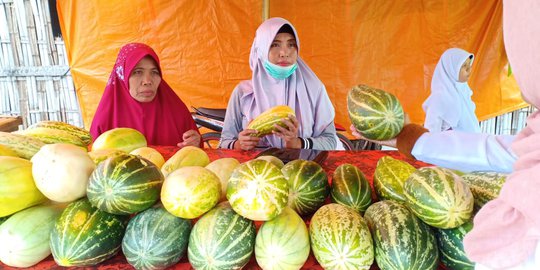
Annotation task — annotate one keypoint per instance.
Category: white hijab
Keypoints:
(302, 91)
(450, 100)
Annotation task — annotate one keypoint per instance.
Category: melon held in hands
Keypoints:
(264, 123)
(375, 113)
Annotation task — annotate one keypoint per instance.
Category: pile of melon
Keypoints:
(122, 196)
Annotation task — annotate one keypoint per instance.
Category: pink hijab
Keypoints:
(506, 230)
(302, 91)
(162, 120)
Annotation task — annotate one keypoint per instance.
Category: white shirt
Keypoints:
(465, 151)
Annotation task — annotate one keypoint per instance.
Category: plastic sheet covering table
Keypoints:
(366, 161)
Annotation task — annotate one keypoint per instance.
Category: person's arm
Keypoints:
(452, 149)
(327, 140)
(232, 124)
(433, 123)
(233, 136)
(466, 151)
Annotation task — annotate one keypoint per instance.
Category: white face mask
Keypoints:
(279, 72)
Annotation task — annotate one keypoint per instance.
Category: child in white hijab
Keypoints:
(449, 107)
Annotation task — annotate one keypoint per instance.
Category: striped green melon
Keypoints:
(125, 139)
(82, 133)
(450, 243)
(24, 146)
(85, 235)
(124, 184)
(221, 240)
(155, 239)
(401, 240)
(375, 113)
(283, 242)
(25, 236)
(340, 238)
(439, 197)
(17, 187)
(50, 136)
(485, 186)
(389, 177)
(308, 185)
(350, 188)
(190, 192)
(258, 190)
(264, 123)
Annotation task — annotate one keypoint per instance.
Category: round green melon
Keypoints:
(375, 113)
(85, 235)
(340, 238)
(401, 240)
(450, 243)
(308, 185)
(389, 177)
(221, 240)
(258, 190)
(155, 239)
(438, 197)
(124, 184)
(351, 188)
(283, 242)
(190, 192)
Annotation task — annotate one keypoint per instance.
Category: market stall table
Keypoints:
(366, 161)
(10, 123)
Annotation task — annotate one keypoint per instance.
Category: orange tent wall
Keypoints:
(204, 46)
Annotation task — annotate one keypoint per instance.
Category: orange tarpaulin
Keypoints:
(204, 46)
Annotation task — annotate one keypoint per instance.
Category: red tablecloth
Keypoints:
(366, 161)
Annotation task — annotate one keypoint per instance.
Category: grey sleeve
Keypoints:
(232, 125)
(326, 141)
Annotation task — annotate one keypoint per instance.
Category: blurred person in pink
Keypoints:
(136, 96)
(506, 230)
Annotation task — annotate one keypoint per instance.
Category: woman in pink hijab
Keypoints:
(280, 77)
(136, 96)
(506, 230)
